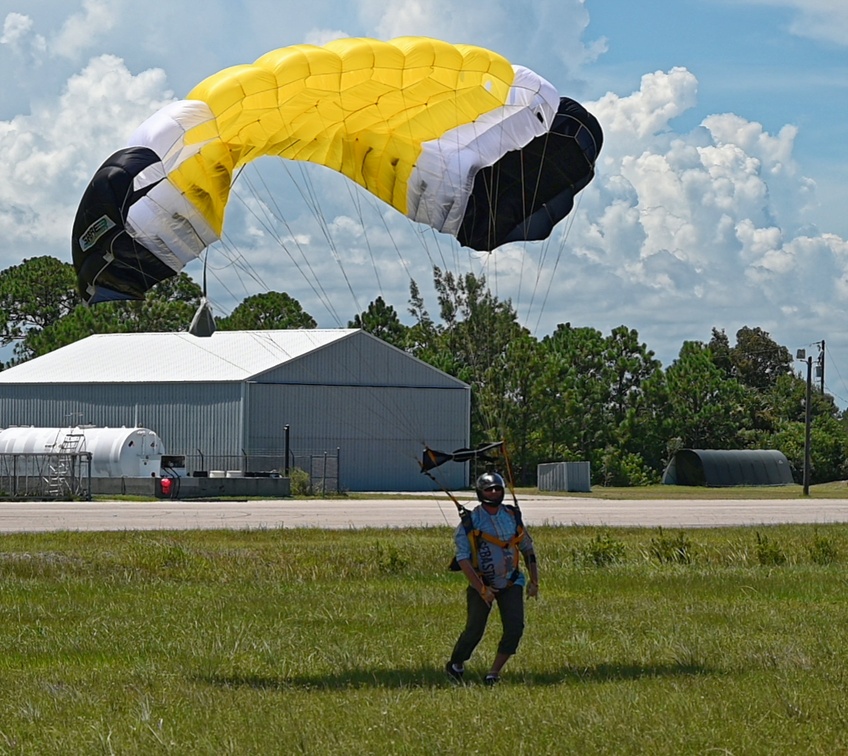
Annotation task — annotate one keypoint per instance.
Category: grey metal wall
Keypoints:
(187, 416)
(380, 432)
(376, 404)
(360, 360)
(564, 476)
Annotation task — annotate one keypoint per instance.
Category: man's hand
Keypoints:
(487, 593)
(532, 590)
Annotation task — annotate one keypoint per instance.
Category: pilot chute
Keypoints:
(453, 136)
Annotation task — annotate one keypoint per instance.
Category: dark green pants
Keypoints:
(511, 607)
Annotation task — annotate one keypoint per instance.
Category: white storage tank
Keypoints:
(115, 452)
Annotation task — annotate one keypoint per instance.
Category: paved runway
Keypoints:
(405, 512)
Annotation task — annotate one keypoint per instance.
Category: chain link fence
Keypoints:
(54, 476)
(322, 467)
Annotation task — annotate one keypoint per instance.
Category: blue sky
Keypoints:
(719, 200)
(759, 60)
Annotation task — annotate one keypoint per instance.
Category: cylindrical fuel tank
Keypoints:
(115, 452)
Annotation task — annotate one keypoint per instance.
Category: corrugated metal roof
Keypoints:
(172, 357)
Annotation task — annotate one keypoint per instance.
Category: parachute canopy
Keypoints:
(453, 136)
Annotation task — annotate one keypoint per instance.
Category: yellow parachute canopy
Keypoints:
(453, 136)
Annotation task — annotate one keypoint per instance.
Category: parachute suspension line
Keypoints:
(379, 212)
(311, 199)
(510, 478)
(314, 280)
(236, 259)
(387, 411)
(238, 262)
(355, 199)
(319, 291)
(540, 267)
(390, 411)
(375, 204)
(459, 507)
(317, 287)
(526, 213)
(563, 239)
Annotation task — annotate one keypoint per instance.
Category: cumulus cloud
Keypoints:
(81, 31)
(697, 229)
(321, 37)
(19, 35)
(822, 20)
(48, 155)
(15, 27)
(531, 32)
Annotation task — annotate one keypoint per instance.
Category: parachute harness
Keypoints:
(475, 535)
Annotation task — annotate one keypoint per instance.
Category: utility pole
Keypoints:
(820, 366)
(801, 354)
(808, 414)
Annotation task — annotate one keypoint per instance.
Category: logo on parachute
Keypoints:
(89, 238)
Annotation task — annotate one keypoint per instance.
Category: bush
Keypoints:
(620, 468)
(388, 560)
(769, 553)
(822, 550)
(671, 550)
(301, 482)
(601, 551)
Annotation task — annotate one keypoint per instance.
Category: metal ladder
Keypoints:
(61, 468)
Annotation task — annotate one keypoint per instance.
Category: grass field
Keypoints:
(727, 641)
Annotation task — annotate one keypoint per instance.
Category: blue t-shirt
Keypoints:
(495, 564)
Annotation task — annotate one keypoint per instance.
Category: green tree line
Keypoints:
(576, 394)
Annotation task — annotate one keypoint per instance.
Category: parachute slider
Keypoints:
(432, 458)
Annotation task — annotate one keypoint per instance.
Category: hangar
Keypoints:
(238, 400)
(736, 467)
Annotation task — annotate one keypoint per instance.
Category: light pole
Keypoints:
(801, 354)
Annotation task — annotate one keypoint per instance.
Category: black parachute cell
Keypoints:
(111, 265)
(528, 191)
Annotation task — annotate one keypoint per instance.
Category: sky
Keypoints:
(720, 194)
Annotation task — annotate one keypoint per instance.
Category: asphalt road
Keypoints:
(424, 511)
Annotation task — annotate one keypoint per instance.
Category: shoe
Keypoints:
(453, 672)
(492, 679)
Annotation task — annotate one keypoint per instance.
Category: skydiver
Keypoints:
(494, 534)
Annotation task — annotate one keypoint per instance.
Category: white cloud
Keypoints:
(81, 31)
(821, 20)
(535, 33)
(321, 37)
(49, 155)
(18, 35)
(15, 27)
(662, 97)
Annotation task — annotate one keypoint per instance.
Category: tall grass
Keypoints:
(306, 641)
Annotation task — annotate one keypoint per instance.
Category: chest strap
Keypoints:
(475, 535)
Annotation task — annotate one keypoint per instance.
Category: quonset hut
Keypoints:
(224, 401)
(728, 467)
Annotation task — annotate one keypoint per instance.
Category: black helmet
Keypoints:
(490, 480)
